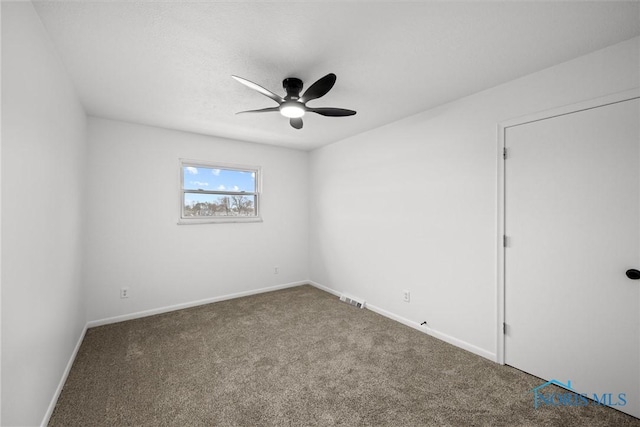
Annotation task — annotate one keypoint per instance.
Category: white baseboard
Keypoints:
(434, 333)
(324, 288)
(160, 310)
(415, 325)
(65, 374)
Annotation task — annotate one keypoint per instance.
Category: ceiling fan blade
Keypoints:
(319, 88)
(332, 112)
(296, 123)
(262, 110)
(260, 89)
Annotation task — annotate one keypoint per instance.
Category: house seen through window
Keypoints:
(218, 192)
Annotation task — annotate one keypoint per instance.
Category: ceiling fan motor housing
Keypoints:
(293, 86)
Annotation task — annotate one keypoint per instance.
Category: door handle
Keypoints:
(633, 274)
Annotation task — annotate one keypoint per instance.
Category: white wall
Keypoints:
(43, 146)
(133, 207)
(413, 205)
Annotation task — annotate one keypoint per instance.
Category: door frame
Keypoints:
(500, 248)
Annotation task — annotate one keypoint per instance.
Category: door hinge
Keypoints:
(504, 153)
(504, 240)
(504, 328)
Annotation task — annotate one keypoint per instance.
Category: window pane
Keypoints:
(207, 205)
(203, 178)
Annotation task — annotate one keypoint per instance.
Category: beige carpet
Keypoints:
(296, 357)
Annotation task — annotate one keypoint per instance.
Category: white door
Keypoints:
(572, 221)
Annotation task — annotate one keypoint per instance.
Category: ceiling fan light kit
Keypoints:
(292, 109)
(293, 106)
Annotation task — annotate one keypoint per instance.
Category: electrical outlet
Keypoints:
(124, 292)
(276, 270)
(406, 295)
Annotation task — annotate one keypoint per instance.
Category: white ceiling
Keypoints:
(169, 64)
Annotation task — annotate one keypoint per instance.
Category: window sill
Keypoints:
(194, 221)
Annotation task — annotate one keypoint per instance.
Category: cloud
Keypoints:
(202, 184)
(221, 187)
(216, 172)
(191, 170)
(235, 188)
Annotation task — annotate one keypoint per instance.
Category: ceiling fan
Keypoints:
(293, 106)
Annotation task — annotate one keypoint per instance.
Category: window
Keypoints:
(218, 193)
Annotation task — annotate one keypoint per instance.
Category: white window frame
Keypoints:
(257, 170)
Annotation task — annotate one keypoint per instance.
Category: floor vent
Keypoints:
(356, 302)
